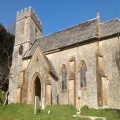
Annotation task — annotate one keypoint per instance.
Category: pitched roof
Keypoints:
(110, 28)
(76, 34)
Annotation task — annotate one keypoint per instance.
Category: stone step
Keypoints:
(90, 117)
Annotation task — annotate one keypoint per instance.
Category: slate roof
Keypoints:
(110, 28)
(77, 34)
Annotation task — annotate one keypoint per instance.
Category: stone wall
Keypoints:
(14, 78)
(108, 49)
(87, 53)
(36, 65)
(26, 23)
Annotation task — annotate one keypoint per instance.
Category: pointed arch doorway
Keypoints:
(36, 88)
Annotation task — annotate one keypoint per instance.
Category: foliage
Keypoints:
(11, 27)
(6, 49)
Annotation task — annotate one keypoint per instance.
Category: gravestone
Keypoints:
(79, 105)
(43, 103)
(36, 105)
(6, 98)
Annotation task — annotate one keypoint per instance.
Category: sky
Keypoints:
(56, 15)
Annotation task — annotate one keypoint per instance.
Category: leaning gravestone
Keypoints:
(36, 105)
(6, 98)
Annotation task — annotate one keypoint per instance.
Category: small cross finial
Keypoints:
(98, 24)
(98, 15)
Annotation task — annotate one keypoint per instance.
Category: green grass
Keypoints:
(110, 114)
(59, 112)
(26, 112)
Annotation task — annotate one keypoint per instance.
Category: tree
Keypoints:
(11, 27)
(6, 50)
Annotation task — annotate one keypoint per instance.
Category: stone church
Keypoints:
(79, 63)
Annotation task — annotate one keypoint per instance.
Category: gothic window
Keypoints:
(64, 77)
(82, 71)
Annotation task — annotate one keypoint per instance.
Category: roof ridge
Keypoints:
(111, 20)
(75, 26)
(68, 28)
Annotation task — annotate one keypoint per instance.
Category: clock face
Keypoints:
(21, 49)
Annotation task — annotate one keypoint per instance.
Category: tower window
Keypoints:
(22, 27)
(82, 71)
(64, 77)
(36, 32)
(21, 49)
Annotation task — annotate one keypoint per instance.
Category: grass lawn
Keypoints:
(60, 112)
(26, 112)
(110, 114)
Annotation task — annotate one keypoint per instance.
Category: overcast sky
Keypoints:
(56, 15)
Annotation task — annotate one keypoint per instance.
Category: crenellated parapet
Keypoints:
(29, 12)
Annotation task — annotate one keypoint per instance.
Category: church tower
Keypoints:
(28, 28)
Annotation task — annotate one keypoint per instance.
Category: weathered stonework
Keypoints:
(43, 58)
(25, 25)
(108, 48)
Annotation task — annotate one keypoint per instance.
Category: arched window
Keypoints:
(82, 71)
(64, 77)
